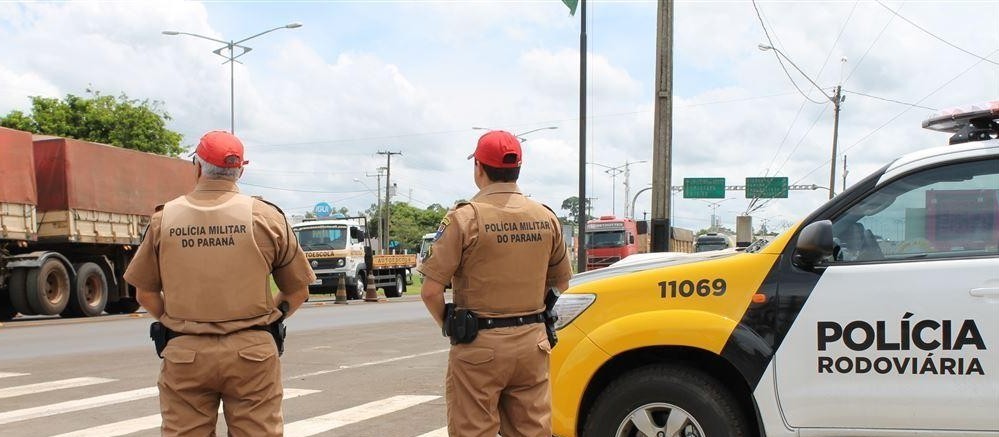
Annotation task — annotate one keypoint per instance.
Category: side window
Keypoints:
(947, 211)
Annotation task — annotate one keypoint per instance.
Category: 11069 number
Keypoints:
(687, 288)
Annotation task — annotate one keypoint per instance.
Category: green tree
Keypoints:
(571, 205)
(407, 224)
(119, 121)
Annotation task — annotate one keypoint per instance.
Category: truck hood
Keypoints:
(645, 261)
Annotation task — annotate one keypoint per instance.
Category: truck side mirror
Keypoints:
(356, 234)
(631, 239)
(815, 242)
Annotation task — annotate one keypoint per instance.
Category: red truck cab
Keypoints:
(608, 240)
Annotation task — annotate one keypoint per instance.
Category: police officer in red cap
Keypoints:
(202, 270)
(500, 252)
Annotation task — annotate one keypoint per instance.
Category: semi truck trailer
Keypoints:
(72, 214)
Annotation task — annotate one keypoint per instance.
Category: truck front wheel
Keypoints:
(665, 400)
(399, 285)
(47, 287)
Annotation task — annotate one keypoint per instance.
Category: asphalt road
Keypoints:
(362, 369)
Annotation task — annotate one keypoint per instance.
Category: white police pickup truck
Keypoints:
(877, 315)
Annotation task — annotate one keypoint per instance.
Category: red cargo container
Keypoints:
(74, 174)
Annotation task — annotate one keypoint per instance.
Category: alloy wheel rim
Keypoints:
(659, 419)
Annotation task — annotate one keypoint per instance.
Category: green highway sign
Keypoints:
(704, 188)
(766, 188)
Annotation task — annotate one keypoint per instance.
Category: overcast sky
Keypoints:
(315, 104)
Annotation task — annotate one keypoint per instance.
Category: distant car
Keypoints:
(877, 315)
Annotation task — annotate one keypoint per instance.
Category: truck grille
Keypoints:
(327, 263)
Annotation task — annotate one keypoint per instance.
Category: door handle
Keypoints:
(984, 292)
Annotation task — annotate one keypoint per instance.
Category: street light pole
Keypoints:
(229, 47)
(836, 100)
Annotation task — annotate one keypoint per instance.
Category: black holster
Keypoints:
(278, 330)
(161, 335)
(551, 296)
(460, 325)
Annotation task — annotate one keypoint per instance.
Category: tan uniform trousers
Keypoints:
(499, 383)
(240, 369)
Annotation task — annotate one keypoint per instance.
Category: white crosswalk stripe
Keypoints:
(301, 428)
(337, 419)
(77, 405)
(152, 421)
(42, 387)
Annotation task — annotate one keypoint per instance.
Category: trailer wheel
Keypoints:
(17, 291)
(397, 289)
(90, 295)
(126, 305)
(47, 287)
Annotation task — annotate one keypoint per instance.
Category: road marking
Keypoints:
(337, 419)
(50, 386)
(372, 363)
(152, 421)
(77, 405)
(8, 374)
(442, 432)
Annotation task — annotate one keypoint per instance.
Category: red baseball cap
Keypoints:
(222, 149)
(498, 149)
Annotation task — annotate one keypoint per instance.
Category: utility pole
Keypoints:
(837, 99)
(583, 201)
(663, 136)
(378, 187)
(388, 196)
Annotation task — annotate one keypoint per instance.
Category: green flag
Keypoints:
(572, 5)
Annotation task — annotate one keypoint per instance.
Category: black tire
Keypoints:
(47, 287)
(397, 289)
(664, 392)
(355, 288)
(17, 292)
(125, 305)
(7, 310)
(89, 295)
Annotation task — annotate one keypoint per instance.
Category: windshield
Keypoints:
(706, 243)
(322, 237)
(605, 239)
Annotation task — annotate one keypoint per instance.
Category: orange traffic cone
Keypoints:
(341, 291)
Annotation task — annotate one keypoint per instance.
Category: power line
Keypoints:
(889, 100)
(864, 56)
(776, 55)
(865, 137)
(935, 36)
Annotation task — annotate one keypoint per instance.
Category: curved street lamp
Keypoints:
(836, 99)
(230, 56)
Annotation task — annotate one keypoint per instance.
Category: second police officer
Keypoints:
(500, 252)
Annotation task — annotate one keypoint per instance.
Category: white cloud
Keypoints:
(316, 104)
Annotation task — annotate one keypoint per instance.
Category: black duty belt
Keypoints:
(505, 322)
(170, 334)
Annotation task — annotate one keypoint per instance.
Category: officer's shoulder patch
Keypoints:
(440, 228)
